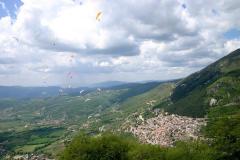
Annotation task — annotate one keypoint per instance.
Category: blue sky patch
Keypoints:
(9, 7)
(233, 33)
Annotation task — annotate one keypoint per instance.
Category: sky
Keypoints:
(60, 42)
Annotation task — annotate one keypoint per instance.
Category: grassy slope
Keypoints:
(108, 108)
(116, 115)
(139, 103)
(69, 110)
(29, 140)
(219, 80)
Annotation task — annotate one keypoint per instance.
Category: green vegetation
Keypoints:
(87, 112)
(30, 140)
(225, 135)
(114, 116)
(139, 103)
(113, 147)
(136, 89)
(222, 142)
(220, 81)
(47, 124)
(183, 105)
(223, 131)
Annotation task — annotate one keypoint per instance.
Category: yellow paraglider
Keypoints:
(98, 16)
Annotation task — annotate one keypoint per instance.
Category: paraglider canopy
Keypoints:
(16, 38)
(98, 16)
(81, 91)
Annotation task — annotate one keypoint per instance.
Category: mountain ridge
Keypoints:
(192, 95)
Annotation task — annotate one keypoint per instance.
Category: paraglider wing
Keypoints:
(16, 38)
(81, 91)
(98, 16)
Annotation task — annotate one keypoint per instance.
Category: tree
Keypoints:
(106, 147)
(224, 134)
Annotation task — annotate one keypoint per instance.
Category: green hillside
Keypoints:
(213, 93)
(218, 82)
(106, 109)
(46, 125)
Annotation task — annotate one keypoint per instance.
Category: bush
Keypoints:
(106, 147)
(224, 133)
(113, 147)
(146, 152)
(191, 151)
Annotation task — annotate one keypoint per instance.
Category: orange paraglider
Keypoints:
(98, 16)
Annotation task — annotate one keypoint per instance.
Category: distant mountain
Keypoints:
(19, 92)
(107, 84)
(216, 85)
(24, 92)
(36, 92)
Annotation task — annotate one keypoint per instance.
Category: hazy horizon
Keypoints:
(93, 85)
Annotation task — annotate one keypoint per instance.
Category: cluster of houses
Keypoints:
(28, 157)
(166, 129)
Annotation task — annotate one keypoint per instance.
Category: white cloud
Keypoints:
(135, 40)
(232, 45)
